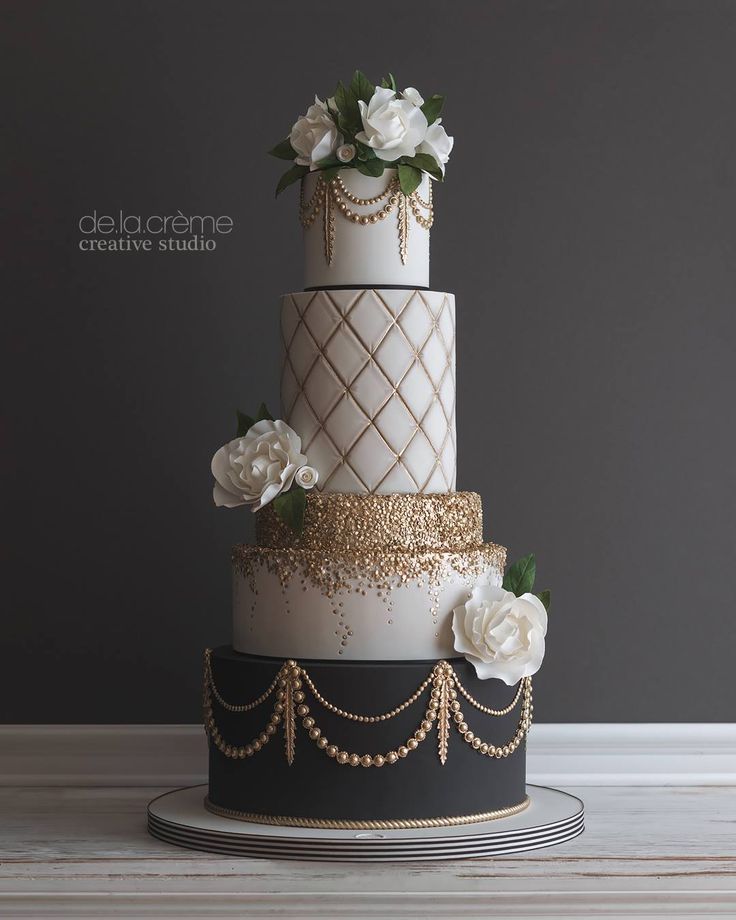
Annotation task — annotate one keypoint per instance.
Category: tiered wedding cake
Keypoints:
(380, 673)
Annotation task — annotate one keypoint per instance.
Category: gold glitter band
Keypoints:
(388, 825)
(448, 521)
(359, 571)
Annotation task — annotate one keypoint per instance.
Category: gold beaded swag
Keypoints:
(292, 683)
(332, 197)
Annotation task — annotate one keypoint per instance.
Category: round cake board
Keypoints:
(180, 818)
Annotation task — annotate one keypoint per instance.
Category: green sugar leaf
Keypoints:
(373, 168)
(361, 87)
(263, 413)
(432, 108)
(409, 178)
(290, 506)
(283, 150)
(290, 176)
(364, 151)
(346, 101)
(245, 423)
(545, 598)
(519, 578)
(427, 163)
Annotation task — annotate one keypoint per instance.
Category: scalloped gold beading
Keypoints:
(443, 707)
(390, 824)
(446, 521)
(358, 571)
(334, 197)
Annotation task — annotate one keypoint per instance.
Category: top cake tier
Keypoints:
(361, 231)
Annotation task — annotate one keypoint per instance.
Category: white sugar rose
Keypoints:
(254, 469)
(315, 136)
(500, 634)
(437, 143)
(392, 127)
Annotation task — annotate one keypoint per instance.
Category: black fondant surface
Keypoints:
(315, 786)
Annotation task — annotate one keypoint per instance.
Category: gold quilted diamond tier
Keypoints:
(368, 383)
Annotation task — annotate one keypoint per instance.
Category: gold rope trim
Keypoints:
(443, 707)
(388, 825)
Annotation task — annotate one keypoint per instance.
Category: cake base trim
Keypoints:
(366, 287)
(386, 825)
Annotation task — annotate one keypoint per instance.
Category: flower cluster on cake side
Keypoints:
(501, 631)
(368, 128)
(264, 463)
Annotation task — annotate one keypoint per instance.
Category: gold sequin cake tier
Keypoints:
(368, 604)
(448, 521)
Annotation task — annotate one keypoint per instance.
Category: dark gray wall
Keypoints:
(588, 228)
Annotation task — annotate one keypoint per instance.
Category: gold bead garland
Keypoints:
(487, 710)
(229, 706)
(334, 196)
(443, 707)
(356, 718)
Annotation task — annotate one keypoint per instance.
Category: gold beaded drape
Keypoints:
(292, 683)
(333, 197)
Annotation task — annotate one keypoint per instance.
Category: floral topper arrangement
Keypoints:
(368, 128)
(264, 464)
(501, 630)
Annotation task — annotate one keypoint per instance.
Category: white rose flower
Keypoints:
(306, 477)
(315, 136)
(437, 143)
(414, 96)
(392, 127)
(500, 634)
(346, 153)
(254, 469)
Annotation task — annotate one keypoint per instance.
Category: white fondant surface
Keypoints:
(368, 383)
(298, 621)
(366, 254)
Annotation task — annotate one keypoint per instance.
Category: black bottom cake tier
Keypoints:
(362, 744)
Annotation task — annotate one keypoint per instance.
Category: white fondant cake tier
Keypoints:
(364, 253)
(368, 383)
(370, 617)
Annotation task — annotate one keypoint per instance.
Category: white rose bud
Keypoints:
(346, 153)
(306, 477)
(254, 469)
(414, 96)
(500, 634)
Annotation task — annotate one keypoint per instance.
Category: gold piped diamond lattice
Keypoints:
(368, 383)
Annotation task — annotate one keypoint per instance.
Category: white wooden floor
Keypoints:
(647, 851)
